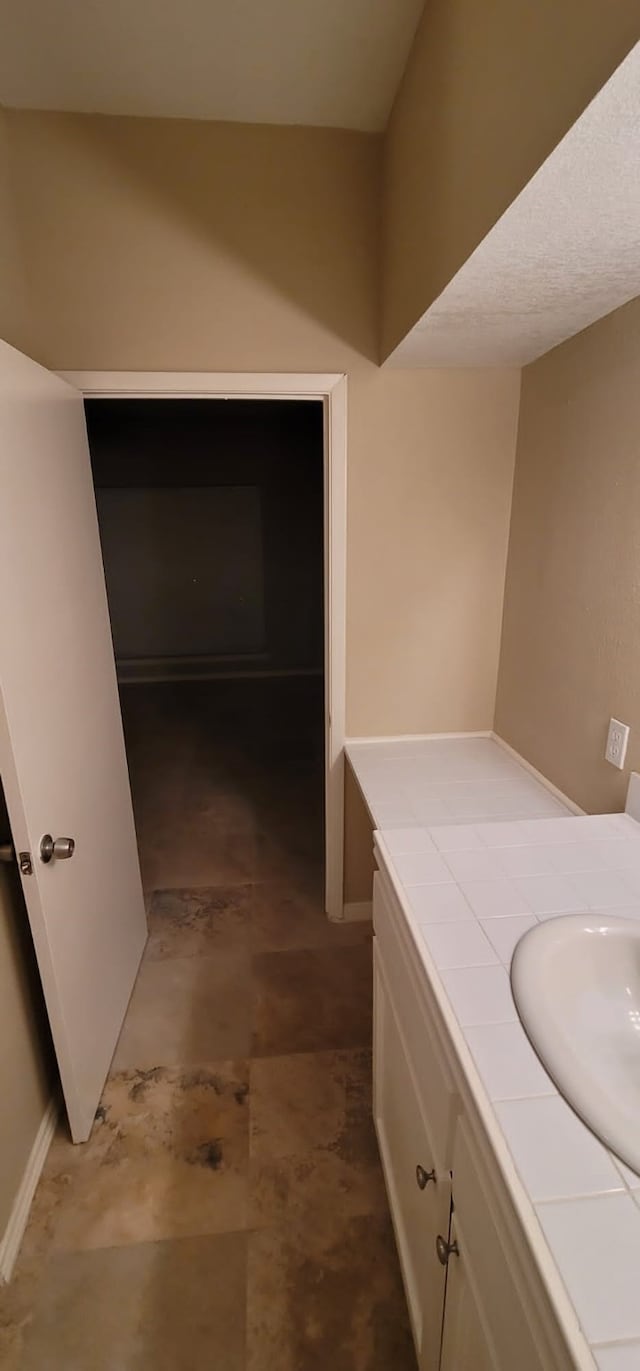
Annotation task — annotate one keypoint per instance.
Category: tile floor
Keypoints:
(229, 1210)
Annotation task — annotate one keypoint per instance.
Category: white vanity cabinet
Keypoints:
(476, 1298)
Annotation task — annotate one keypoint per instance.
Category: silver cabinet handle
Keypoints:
(446, 1249)
(423, 1177)
(60, 848)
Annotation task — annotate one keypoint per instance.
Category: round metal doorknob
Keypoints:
(423, 1177)
(446, 1249)
(60, 848)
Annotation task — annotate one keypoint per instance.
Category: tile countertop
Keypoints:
(415, 781)
(468, 892)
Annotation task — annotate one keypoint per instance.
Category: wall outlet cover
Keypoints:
(617, 739)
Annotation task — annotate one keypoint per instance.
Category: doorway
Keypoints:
(211, 524)
(331, 390)
(87, 916)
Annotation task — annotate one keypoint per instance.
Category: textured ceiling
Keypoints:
(325, 62)
(565, 253)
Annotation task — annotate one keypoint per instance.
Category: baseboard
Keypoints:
(548, 785)
(357, 911)
(418, 737)
(14, 1231)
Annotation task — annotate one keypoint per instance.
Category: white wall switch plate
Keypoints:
(617, 739)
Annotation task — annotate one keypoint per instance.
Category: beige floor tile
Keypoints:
(327, 1295)
(311, 1000)
(312, 1145)
(198, 922)
(171, 1306)
(286, 916)
(186, 1010)
(196, 851)
(168, 1157)
(283, 854)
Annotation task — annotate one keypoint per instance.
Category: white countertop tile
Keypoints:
(596, 1242)
(437, 903)
(550, 894)
(474, 866)
(495, 899)
(622, 1357)
(503, 934)
(403, 840)
(570, 858)
(529, 860)
(605, 889)
(422, 868)
(480, 995)
(509, 1067)
(458, 944)
(620, 852)
(557, 1157)
(456, 838)
(431, 810)
(426, 781)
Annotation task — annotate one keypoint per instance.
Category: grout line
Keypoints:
(617, 1342)
(583, 1195)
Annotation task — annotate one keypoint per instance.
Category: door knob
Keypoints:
(60, 848)
(7, 853)
(423, 1177)
(446, 1249)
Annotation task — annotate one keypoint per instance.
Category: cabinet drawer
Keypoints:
(424, 1043)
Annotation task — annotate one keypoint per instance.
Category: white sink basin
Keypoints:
(576, 984)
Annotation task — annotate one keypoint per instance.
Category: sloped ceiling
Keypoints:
(321, 62)
(565, 253)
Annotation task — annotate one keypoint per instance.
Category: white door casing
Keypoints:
(62, 755)
(331, 389)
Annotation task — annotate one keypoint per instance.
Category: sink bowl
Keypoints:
(576, 984)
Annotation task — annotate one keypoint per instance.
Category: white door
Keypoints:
(62, 756)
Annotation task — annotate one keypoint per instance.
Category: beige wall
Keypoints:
(489, 90)
(430, 479)
(571, 643)
(359, 865)
(24, 1084)
(16, 320)
(172, 243)
(162, 244)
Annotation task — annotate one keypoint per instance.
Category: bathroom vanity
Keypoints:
(476, 1297)
(518, 1232)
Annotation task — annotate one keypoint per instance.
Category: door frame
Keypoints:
(331, 389)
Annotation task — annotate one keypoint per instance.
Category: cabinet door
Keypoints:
(466, 1342)
(403, 1135)
(413, 1007)
(496, 1314)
